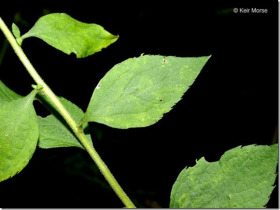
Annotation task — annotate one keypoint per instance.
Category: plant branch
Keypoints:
(64, 113)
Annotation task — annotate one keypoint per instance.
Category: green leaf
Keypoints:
(6, 94)
(15, 30)
(16, 33)
(138, 91)
(242, 178)
(18, 135)
(69, 35)
(54, 131)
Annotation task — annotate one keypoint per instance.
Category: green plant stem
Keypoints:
(73, 125)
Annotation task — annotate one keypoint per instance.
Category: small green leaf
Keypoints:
(16, 33)
(37, 87)
(69, 35)
(18, 135)
(54, 132)
(242, 178)
(138, 91)
(6, 94)
(15, 30)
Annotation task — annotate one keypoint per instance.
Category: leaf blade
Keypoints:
(16, 33)
(6, 94)
(138, 91)
(15, 30)
(18, 135)
(243, 178)
(69, 35)
(54, 131)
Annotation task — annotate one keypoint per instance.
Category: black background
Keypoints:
(234, 100)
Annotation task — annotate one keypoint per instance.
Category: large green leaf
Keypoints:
(69, 35)
(6, 94)
(54, 131)
(18, 135)
(242, 178)
(138, 91)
